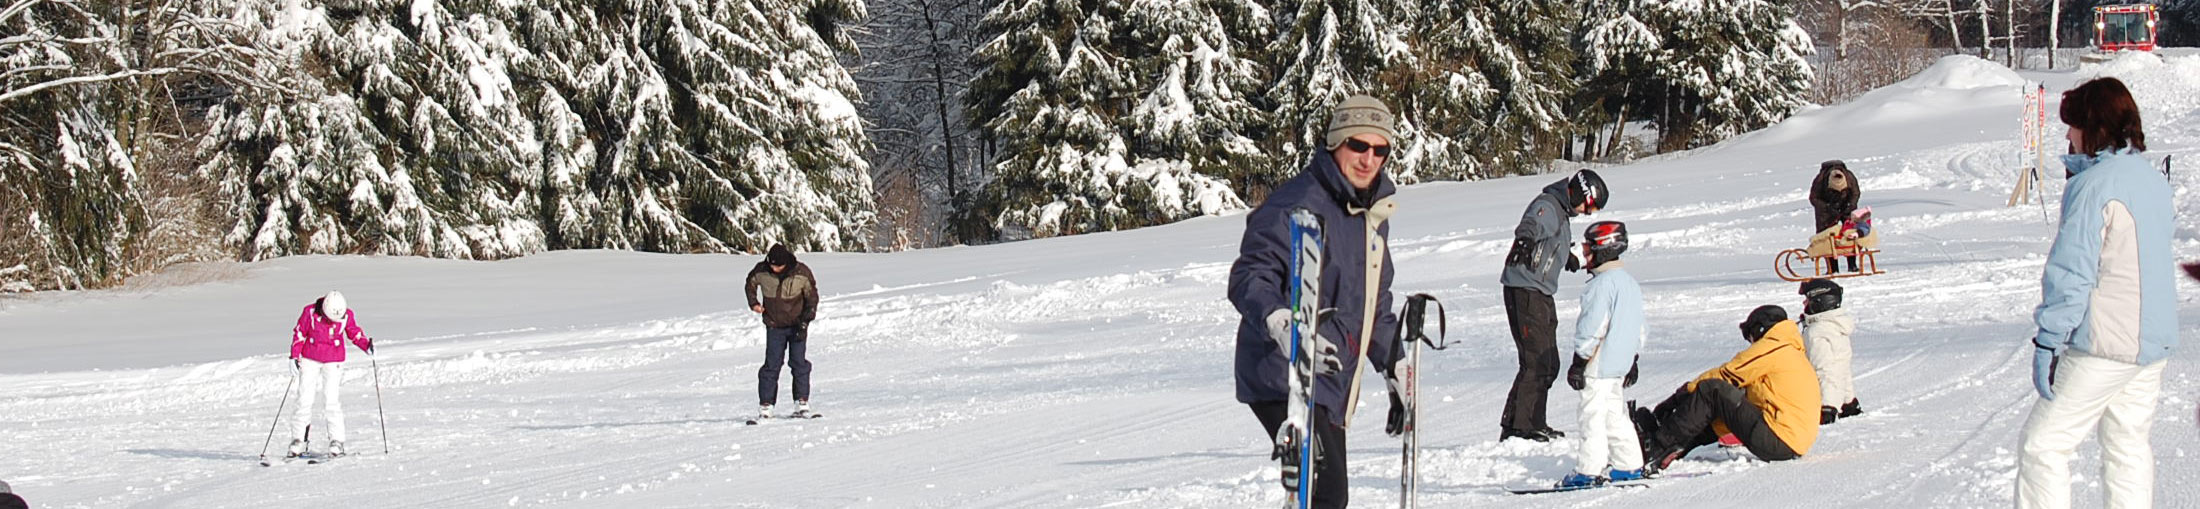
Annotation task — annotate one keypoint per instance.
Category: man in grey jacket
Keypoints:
(1540, 248)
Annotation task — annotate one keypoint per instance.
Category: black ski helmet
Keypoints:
(1586, 188)
(1605, 240)
(1820, 295)
(1761, 320)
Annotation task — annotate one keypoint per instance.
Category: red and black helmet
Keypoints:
(1605, 240)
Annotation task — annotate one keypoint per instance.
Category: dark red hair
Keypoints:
(2103, 111)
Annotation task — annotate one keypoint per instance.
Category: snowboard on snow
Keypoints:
(1298, 449)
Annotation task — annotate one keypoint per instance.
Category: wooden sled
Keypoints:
(1825, 254)
(1827, 266)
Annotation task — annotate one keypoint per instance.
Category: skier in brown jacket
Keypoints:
(783, 291)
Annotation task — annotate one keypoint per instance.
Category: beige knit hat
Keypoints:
(1359, 114)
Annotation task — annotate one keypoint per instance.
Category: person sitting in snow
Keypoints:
(1833, 198)
(1762, 396)
(317, 353)
(2108, 308)
(1826, 330)
(782, 290)
(1346, 186)
(1607, 340)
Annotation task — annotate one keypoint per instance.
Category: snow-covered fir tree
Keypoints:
(1484, 94)
(486, 129)
(1057, 95)
(1615, 54)
(92, 104)
(1196, 111)
(1726, 67)
(1327, 50)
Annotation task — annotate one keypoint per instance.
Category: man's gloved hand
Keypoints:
(1578, 376)
(366, 345)
(1573, 259)
(1401, 408)
(1522, 249)
(2043, 371)
(1322, 349)
(1633, 371)
(802, 332)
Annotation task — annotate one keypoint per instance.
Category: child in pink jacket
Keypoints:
(317, 351)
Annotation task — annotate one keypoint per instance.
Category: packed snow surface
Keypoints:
(1088, 371)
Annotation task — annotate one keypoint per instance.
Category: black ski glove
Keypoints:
(802, 332)
(1397, 424)
(1577, 376)
(1521, 250)
(1573, 261)
(1634, 371)
(1401, 416)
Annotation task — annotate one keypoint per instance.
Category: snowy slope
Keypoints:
(1090, 371)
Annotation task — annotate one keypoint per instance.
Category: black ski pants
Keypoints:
(1684, 421)
(1534, 321)
(1330, 485)
(784, 346)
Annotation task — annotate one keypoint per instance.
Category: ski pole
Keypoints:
(378, 403)
(278, 414)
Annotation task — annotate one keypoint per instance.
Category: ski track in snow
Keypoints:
(1091, 371)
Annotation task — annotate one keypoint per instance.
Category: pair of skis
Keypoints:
(796, 415)
(1638, 483)
(1307, 239)
(311, 459)
(1298, 447)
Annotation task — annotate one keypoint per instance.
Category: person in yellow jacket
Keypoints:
(1767, 396)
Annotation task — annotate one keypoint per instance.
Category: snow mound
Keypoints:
(2167, 89)
(2126, 62)
(1956, 82)
(1963, 72)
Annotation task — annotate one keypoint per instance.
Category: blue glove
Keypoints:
(2043, 371)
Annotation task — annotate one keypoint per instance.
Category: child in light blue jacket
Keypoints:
(1607, 339)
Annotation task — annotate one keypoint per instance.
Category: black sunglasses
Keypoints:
(1361, 146)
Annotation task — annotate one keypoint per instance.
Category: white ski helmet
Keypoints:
(332, 306)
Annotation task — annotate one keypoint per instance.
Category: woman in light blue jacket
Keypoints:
(2108, 311)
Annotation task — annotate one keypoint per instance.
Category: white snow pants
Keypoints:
(2120, 397)
(1607, 432)
(316, 377)
(1829, 355)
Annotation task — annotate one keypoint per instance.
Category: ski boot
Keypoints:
(335, 448)
(1617, 475)
(297, 448)
(764, 412)
(1580, 480)
(1851, 409)
(1826, 415)
(801, 409)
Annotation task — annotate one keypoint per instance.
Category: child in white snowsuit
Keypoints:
(1826, 330)
(1607, 340)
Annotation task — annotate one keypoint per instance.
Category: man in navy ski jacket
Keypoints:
(1346, 187)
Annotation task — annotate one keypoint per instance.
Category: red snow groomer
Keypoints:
(2123, 27)
(1853, 241)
